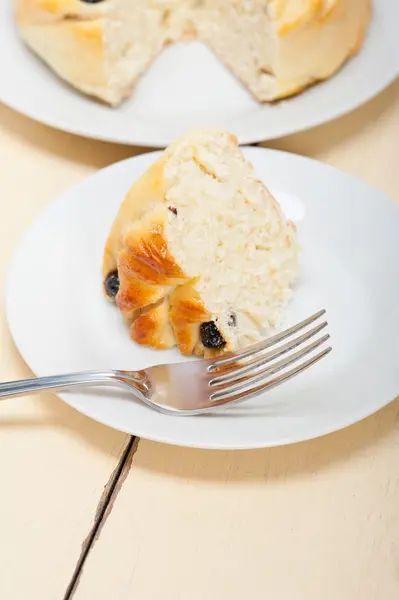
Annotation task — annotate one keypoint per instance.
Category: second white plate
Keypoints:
(187, 86)
(349, 232)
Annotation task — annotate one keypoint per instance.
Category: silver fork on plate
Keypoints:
(200, 386)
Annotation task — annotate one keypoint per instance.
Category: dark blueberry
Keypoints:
(210, 335)
(232, 320)
(91, 1)
(173, 209)
(112, 284)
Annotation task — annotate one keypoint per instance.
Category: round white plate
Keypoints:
(349, 233)
(188, 86)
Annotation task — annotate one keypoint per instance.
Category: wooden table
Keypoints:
(88, 513)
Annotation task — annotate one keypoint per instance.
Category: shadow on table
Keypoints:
(50, 413)
(271, 464)
(67, 146)
(47, 412)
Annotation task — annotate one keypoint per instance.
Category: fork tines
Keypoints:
(246, 373)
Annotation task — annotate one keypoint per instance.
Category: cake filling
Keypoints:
(230, 236)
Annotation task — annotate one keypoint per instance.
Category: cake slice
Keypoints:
(200, 254)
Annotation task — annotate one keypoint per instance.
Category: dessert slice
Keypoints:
(200, 254)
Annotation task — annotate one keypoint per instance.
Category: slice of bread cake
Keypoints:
(200, 254)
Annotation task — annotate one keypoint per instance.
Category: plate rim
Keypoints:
(162, 141)
(151, 435)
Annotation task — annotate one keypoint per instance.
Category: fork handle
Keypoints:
(29, 386)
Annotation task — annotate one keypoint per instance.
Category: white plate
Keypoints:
(349, 232)
(187, 86)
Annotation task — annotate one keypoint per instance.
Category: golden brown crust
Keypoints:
(286, 90)
(147, 271)
(135, 293)
(148, 253)
(69, 36)
(152, 328)
(149, 188)
(35, 12)
(187, 312)
(335, 28)
(74, 50)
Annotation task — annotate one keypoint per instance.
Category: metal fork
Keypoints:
(200, 386)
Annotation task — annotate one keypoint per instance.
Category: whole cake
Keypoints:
(275, 47)
(200, 254)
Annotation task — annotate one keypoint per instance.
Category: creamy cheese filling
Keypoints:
(227, 231)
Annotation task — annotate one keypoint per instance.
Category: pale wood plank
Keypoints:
(316, 520)
(305, 522)
(54, 463)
